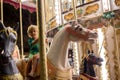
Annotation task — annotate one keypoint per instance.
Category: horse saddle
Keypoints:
(84, 76)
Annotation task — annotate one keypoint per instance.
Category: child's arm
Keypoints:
(35, 41)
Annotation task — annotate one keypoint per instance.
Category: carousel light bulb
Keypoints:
(50, 7)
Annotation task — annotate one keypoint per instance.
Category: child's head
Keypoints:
(33, 31)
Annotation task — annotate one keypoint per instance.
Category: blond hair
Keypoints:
(30, 28)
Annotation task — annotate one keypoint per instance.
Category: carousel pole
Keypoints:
(61, 8)
(74, 9)
(75, 46)
(2, 11)
(21, 29)
(42, 50)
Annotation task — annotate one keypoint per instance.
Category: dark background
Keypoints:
(10, 18)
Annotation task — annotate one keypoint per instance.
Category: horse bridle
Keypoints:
(73, 32)
(7, 31)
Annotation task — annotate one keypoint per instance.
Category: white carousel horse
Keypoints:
(8, 68)
(57, 56)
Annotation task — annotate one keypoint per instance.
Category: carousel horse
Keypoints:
(21, 65)
(8, 68)
(57, 56)
(87, 71)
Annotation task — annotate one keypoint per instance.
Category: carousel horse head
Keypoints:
(93, 59)
(8, 38)
(81, 33)
(88, 63)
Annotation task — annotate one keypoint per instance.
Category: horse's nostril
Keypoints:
(80, 29)
(7, 32)
(96, 33)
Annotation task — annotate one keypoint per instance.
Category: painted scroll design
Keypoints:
(116, 61)
(92, 9)
(69, 16)
(117, 3)
(106, 54)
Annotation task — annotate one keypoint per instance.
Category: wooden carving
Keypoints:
(69, 16)
(53, 24)
(92, 9)
(117, 2)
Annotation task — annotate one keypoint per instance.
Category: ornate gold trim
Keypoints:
(118, 31)
(104, 30)
(115, 54)
(117, 2)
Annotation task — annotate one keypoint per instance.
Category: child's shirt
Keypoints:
(34, 47)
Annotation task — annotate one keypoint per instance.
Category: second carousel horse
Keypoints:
(8, 68)
(87, 71)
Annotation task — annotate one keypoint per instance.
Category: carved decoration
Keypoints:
(116, 54)
(94, 22)
(92, 9)
(116, 20)
(104, 30)
(69, 16)
(79, 12)
(53, 24)
(117, 2)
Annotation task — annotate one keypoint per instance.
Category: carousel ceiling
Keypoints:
(28, 4)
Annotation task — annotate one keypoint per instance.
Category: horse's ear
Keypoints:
(16, 27)
(73, 23)
(88, 51)
(2, 26)
(92, 51)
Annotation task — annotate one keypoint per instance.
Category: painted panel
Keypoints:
(49, 9)
(114, 5)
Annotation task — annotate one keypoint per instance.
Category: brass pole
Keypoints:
(41, 25)
(74, 9)
(2, 11)
(21, 29)
(61, 8)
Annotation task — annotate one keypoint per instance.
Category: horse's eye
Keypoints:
(98, 58)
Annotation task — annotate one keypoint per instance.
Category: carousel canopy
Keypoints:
(29, 5)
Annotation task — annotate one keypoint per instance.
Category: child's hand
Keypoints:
(35, 41)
